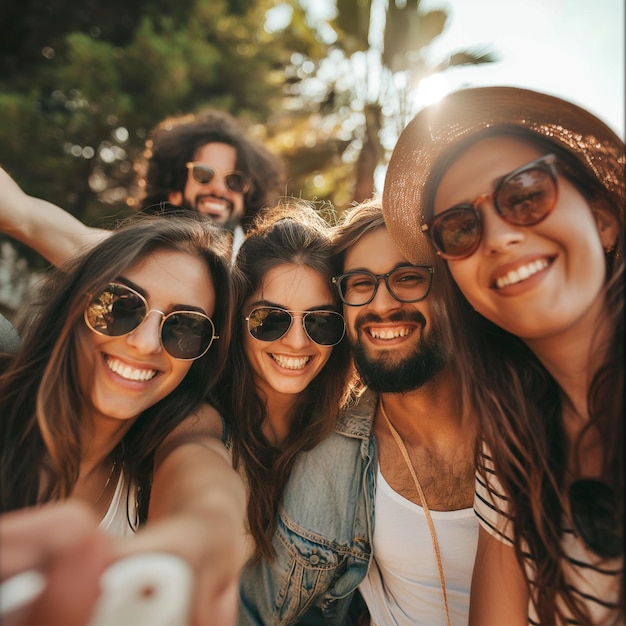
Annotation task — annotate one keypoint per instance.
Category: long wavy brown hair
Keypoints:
(520, 408)
(44, 388)
(294, 233)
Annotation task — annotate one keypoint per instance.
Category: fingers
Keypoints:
(61, 542)
(32, 537)
(215, 553)
(73, 584)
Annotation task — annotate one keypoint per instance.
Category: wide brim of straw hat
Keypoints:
(436, 131)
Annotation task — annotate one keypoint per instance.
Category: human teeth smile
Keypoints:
(127, 372)
(521, 273)
(390, 333)
(214, 207)
(291, 363)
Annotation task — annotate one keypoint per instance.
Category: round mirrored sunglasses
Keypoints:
(593, 507)
(236, 181)
(118, 310)
(325, 328)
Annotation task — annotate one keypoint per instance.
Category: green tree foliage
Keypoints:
(82, 83)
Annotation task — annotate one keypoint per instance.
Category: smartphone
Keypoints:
(145, 588)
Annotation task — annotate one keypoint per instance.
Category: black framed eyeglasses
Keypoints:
(524, 197)
(118, 310)
(593, 507)
(409, 283)
(267, 323)
(236, 181)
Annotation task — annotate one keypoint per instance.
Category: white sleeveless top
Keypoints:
(402, 586)
(116, 520)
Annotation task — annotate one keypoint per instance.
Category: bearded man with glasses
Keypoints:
(385, 503)
(205, 163)
(209, 164)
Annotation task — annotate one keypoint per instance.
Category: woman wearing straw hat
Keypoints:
(523, 195)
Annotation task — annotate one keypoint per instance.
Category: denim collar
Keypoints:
(356, 420)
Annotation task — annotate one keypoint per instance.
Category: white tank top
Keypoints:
(402, 586)
(116, 520)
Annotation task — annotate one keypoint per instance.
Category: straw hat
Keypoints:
(436, 131)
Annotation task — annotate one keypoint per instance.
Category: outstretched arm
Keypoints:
(45, 227)
(197, 512)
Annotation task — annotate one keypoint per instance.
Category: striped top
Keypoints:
(592, 579)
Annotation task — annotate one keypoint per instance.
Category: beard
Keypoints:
(227, 222)
(388, 375)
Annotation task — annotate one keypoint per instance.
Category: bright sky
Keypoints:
(573, 49)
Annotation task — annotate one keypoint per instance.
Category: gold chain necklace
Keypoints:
(418, 486)
(106, 484)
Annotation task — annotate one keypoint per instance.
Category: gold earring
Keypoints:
(609, 249)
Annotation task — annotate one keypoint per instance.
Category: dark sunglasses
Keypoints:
(524, 198)
(236, 181)
(267, 323)
(593, 507)
(410, 283)
(118, 310)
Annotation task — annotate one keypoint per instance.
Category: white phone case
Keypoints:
(148, 588)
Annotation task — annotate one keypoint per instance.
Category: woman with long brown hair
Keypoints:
(523, 195)
(289, 367)
(104, 402)
(288, 364)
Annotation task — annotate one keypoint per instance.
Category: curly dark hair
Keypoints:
(173, 142)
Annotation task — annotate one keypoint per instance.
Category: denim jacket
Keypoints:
(323, 541)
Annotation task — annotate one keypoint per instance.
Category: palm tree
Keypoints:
(367, 88)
